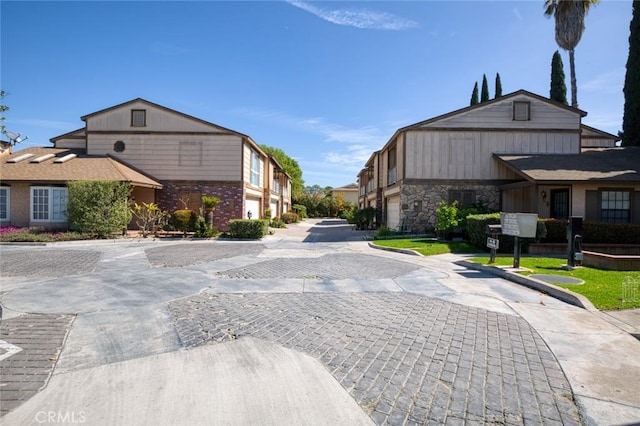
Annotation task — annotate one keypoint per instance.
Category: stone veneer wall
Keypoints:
(423, 217)
(230, 194)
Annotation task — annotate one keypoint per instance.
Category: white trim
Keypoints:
(8, 198)
(50, 213)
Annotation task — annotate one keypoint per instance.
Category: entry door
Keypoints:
(560, 203)
(393, 213)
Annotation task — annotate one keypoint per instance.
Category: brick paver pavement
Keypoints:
(406, 359)
(40, 338)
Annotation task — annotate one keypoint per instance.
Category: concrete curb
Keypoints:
(397, 250)
(556, 292)
(559, 293)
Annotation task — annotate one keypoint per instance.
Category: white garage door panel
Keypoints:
(252, 205)
(393, 213)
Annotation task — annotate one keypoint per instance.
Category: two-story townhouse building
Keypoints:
(169, 158)
(477, 155)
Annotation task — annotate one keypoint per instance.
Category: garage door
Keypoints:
(393, 212)
(274, 209)
(252, 205)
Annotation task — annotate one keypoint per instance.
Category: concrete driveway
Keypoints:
(308, 326)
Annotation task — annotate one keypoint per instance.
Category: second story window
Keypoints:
(138, 118)
(255, 168)
(521, 111)
(392, 166)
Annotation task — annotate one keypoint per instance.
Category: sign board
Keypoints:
(522, 225)
(493, 243)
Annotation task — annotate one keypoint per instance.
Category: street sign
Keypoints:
(493, 243)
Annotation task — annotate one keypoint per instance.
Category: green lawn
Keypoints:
(428, 247)
(603, 288)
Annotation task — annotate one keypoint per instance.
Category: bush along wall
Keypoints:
(248, 228)
(553, 231)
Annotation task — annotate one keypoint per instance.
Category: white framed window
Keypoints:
(255, 168)
(49, 204)
(5, 203)
(521, 111)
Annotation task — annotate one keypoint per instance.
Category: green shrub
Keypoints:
(98, 208)
(363, 218)
(184, 220)
(385, 232)
(301, 210)
(248, 228)
(277, 223)
(610, 233)
(556, 230)
(203, 228)
(447, 217)
(290, 217)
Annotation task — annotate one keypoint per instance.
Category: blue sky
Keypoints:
(327, 81)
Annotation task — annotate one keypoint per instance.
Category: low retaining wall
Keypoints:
(561, 248)
(612, 262)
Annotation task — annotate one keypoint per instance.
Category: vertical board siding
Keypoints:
(468, 155)
(173, 157)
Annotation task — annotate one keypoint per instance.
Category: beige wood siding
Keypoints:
(71, 143)
(468, 155)
(500, 115)
(176, 157)
(157, 120)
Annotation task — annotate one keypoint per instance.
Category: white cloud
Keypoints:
(608, 82)
(358, 18)
(354, 145)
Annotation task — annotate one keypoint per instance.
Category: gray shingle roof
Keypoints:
(613, 164)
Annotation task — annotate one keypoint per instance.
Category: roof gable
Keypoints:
(106, 119)
(488, 105)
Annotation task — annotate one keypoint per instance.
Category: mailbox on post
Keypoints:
(492, 241)
(519, 225)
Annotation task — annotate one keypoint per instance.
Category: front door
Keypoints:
(560, 203)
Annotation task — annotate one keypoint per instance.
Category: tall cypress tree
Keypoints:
(474, 95)
(558, 90)
(498, 86)
(631, 120)
(484, 95)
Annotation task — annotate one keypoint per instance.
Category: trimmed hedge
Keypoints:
(248, 228)
(184, 220)
(556, 232)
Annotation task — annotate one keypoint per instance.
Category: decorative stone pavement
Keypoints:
(406, 359)
(38, 340)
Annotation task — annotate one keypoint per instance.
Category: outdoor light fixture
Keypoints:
(544, 195)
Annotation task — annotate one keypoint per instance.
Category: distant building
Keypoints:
(348, 192)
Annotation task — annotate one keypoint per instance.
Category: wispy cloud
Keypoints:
(358, 18)
(517, 14)
(608, 82)
(350, 147)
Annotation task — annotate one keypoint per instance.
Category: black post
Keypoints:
(516, 252)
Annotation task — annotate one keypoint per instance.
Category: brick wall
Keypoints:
(231, 196)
